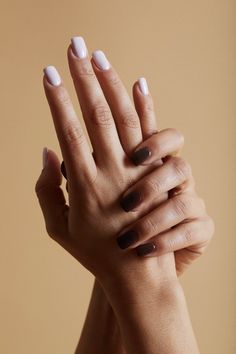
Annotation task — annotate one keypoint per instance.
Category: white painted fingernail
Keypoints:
(45, 157)
(52, 75)
(143, 86)
(79, 47)
(101, 60)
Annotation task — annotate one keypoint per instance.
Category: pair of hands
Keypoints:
(133, 194)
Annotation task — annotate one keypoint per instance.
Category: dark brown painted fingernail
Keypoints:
(141, 155)
(63, 169)
(145, 249)
(131, 201)
(127, 239)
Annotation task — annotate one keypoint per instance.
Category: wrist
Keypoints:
(141, 279)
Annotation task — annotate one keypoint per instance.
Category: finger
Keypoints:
(145, 108)
(96, 112)
(51, 197)
(195, 235)
(122, 108)
(168, 214)
(74, 146)
(173, 174)
(166, 142)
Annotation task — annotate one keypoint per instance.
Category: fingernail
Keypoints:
(145, 249)
(127, 239)
(143, 86)
(79, 47)
(101, 60)
(131, 201)
(45, 157)
(141, 155)
(63, 169)
(52, 75)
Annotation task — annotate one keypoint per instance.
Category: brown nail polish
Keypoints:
(127, 239)
(63, 169)
(145, 249)
(141, 155)
(131, 201)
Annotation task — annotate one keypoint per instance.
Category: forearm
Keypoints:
(100, 331)
(153, 316)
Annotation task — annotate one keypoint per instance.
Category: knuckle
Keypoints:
(73, 135)
(84, 69)
(177, 133)
(188, 236)
(148, 227)
(148, 107)
(129, 119)
(101, 115)
(211, 227)
(181, 166)
(63, 97)
(153, 186)
(113, 80)
(183, 205)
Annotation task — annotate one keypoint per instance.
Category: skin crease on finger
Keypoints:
(111, 181)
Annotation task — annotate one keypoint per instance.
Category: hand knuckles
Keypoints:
(101, 115)
(153, 185)
(188, 236)
(177, 133)
(84, 69)
(63, 97)
(113, 80)
(129, 119)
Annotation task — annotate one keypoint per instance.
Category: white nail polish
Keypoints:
(143, 86)
(101, 60)
(45, 157)
(79, 47)
(52, 75)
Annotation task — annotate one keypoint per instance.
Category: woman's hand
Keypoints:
(181, 223)
(88, 226)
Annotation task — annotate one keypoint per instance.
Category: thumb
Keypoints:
(51, 197)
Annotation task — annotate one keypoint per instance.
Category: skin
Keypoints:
(179, 226)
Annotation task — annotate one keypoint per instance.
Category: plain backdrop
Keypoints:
(186, 50)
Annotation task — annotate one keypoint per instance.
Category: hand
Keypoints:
(87, 227)
(181, 223)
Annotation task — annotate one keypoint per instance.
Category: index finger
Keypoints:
(73, 142)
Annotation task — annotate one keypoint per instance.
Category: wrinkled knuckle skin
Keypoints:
(113, 80)
(63, 97)
(129, 119)
(153, 187)
(188, 236)
(181, 166)
(183, 205)
(147, 227)
(74, 135)
(147, 108)
(101, 115)
(83, 70)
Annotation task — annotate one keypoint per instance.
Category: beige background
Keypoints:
(186, 50)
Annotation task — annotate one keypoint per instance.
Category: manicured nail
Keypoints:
(45, 157)
(141, 155)
(52, 75)
(127, 239)
(143, 86)
(79, 47)
(63, 169)
(131, 201)
(101, 60)
(145, 249)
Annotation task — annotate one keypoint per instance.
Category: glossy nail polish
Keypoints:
(143, 86)
(145, 249)
(45, 157)
(141, 155)
(52, 75)
(79, 47)
(127, 239)
(131, 201)
(101, 60)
